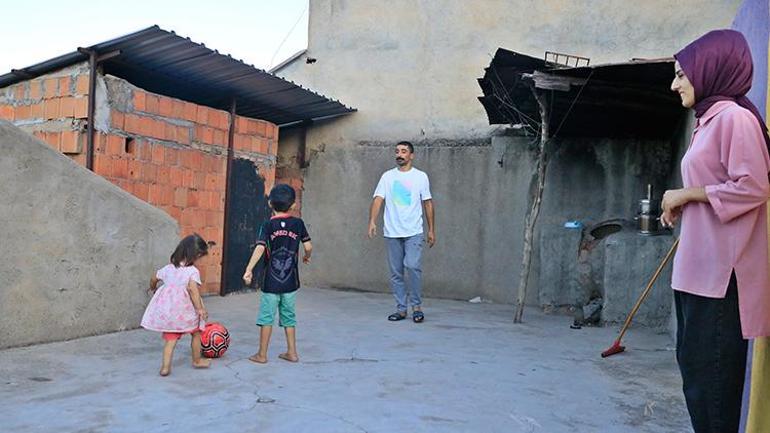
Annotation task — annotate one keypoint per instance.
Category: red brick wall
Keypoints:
(167, 152)
(53, 108)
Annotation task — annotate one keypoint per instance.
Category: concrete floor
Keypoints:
(466, 369)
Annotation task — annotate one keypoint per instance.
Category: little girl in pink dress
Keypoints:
(176, 308)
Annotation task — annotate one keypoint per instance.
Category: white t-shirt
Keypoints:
(404, 192)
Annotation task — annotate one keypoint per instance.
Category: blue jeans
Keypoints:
(405, 254)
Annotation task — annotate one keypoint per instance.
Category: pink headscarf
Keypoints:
(719, 66)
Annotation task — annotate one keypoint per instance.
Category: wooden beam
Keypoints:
(546, 81)
(550, 81)
(107, 56)
(537, 198)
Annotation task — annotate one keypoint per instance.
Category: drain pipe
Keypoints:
(228, 187)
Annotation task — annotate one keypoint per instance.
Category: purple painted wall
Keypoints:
(753, 20)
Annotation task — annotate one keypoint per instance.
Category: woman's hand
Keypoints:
(203, 314)
(669, 218)
(672, 203)
(247, 276)
(675, 199)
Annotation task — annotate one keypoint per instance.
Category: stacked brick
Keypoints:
(53, 108)
(167, 152)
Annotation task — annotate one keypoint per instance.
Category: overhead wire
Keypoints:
(272, 59)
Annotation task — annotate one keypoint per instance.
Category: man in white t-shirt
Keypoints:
(406, 193)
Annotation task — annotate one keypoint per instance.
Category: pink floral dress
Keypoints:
(171, 309)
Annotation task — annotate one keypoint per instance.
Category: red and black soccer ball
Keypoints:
(214, 340)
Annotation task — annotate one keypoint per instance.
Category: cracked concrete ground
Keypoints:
(466, 369)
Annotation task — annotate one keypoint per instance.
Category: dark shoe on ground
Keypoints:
(418, 316)
(397, 316)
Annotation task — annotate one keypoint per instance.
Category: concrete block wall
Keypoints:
(165, 151)
(78, 250)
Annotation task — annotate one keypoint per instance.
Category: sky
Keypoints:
(259, 32)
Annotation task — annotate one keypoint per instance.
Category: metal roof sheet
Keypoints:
(618, 99)
(163, 62)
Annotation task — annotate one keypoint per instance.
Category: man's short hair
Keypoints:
(281, 197)
(407, 144)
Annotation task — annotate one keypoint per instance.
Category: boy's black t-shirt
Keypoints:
(281, 237)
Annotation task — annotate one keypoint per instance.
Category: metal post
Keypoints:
(91, 110)
(228, 187)
(93, 61)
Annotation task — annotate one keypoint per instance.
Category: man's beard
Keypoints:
(400, 161)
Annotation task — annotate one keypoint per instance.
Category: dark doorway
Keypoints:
(247, 210)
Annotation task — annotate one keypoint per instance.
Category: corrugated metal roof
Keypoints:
(618, 99)
(162, 62)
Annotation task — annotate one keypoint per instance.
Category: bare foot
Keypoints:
(165, 371)
(202, 363)
(288, 357)
(259, 359)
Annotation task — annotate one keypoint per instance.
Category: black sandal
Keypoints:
(395, 317)
(418, 316)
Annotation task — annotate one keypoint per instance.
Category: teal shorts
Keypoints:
(284, 302)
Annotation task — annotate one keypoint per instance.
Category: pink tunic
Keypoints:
(728, 157)
(171, 309)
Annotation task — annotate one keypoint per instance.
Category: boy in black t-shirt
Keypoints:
(280, 238)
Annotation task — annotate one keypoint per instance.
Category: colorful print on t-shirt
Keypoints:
(402, 193)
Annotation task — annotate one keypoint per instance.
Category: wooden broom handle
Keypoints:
(647, 290)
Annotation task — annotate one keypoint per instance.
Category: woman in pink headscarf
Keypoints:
(721, 281)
